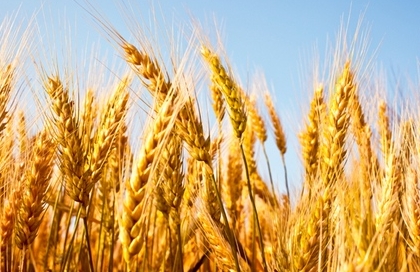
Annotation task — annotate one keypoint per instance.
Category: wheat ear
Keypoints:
(168, 193)
(310, 138)
(6, 86)
(6, 227)
(131, 229)
(229, 89)
(233, 97)
(149, 69)
(111, 119)
(70, 145)
(279, 135)
(36, 181)
(336, 124)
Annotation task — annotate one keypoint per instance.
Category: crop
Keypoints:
(104, 177)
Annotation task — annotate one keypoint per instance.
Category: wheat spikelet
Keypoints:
(108, 188)
(368, 162)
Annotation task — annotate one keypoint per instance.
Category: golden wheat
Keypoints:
(91, 186)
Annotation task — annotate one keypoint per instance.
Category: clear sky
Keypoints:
(277, 37)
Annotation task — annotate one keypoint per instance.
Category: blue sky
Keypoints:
(274, 36)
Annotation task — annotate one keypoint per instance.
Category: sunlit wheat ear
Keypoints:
(132, 230)
(369, 165)
(89, 120)
(388, 216)
(70, 147)
(389, 173)
(233, 183)
(384, 129)
(112, 118)
(248, 141)
(235, 107)
(6, 228)
(36, 181)
(359, 223)
(279, 135)
(311, 245)
(310, 138)
(217, 243)
(411, 212)
(332, 148)
(256, 121)
(153, 76)
(168, 193)
(218, 104)
(7, 76)
(190, 130)
(229, 89)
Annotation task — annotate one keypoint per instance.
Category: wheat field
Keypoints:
(157, 166)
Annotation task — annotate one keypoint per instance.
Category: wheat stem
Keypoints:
(254, 209)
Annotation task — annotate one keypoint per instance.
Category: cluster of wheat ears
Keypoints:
(79, 191)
